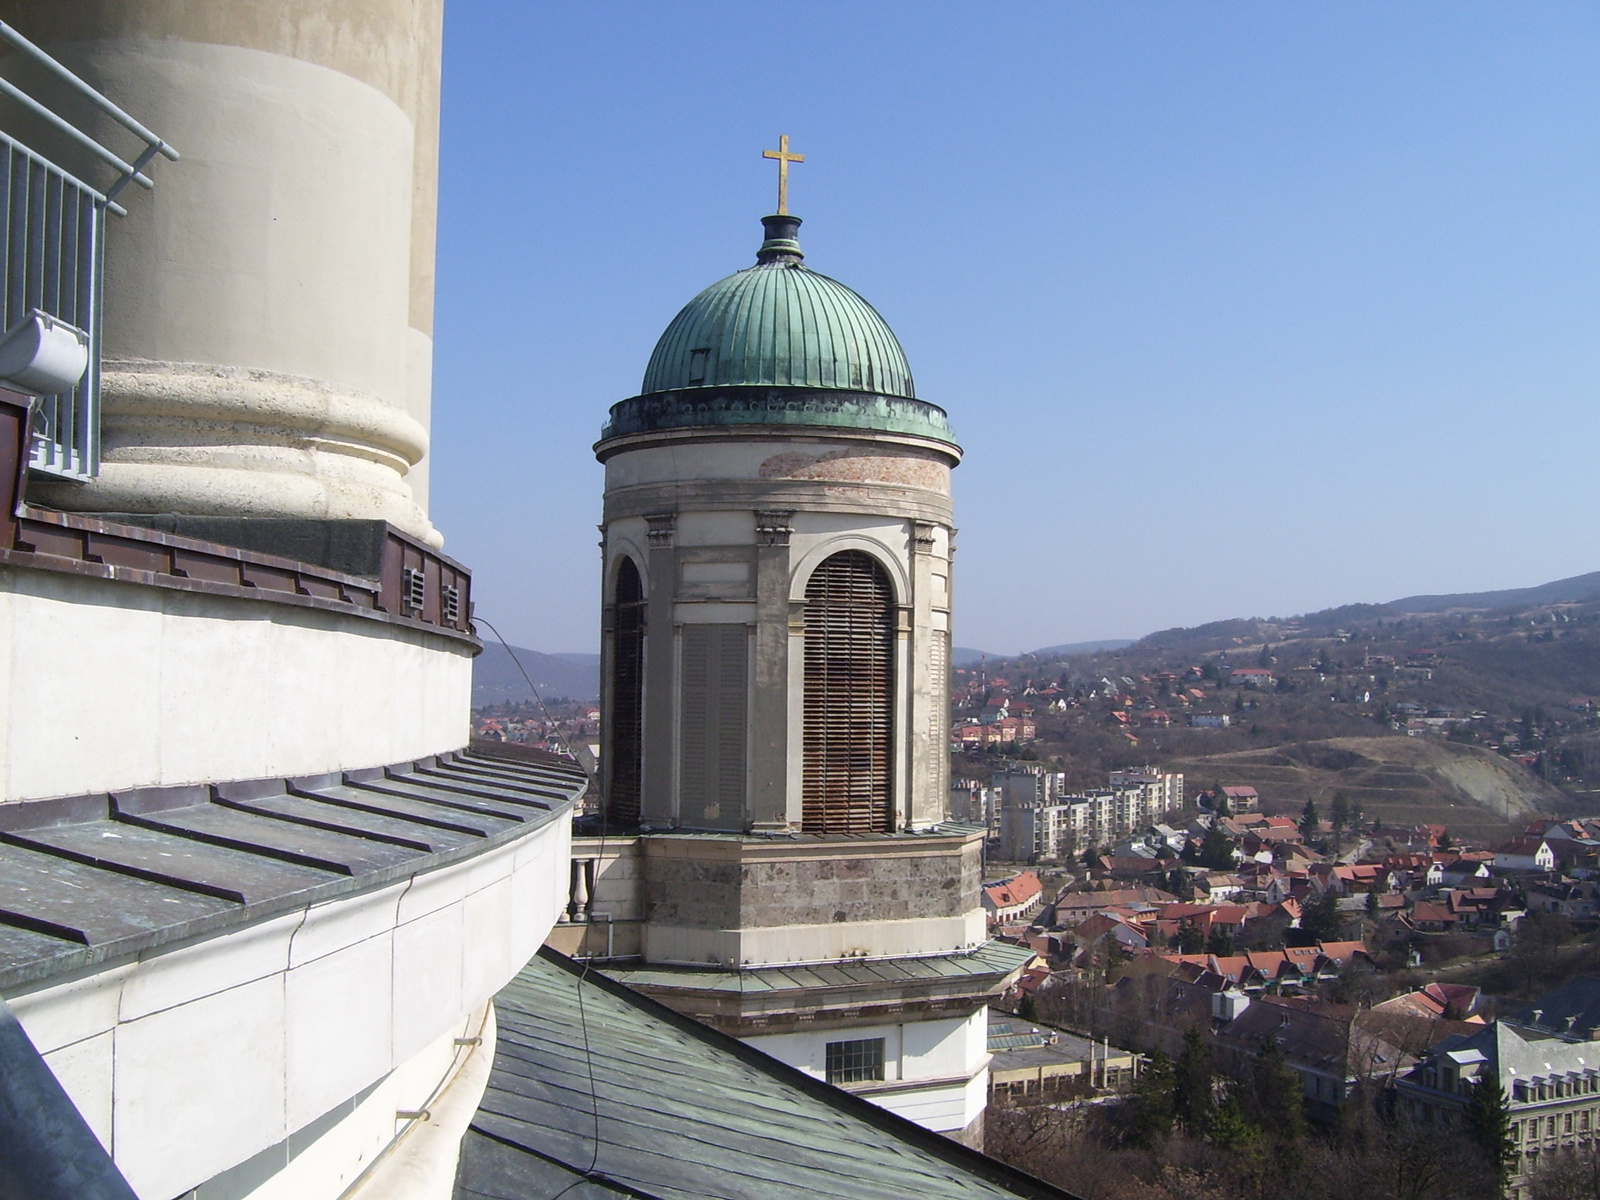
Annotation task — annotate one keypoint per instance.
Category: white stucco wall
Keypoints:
(107, 686)
(193, 1059)
(947, 1057)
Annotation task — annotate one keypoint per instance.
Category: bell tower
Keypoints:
(772, 855)
(777, 567)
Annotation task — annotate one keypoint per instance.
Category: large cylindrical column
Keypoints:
(268, 315)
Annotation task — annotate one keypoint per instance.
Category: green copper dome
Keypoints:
(778, 344)
(778, 324)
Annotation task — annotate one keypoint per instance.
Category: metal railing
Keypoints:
(52, 243)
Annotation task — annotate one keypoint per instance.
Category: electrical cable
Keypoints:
(589, 769)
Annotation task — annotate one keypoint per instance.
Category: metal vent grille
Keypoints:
(626, 727)
(413, 589)
(711, 778)
(849, 697)
(450, 603)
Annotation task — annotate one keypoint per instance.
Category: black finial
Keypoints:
(783, 242)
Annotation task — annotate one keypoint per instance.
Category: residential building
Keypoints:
(1033, 1062)
(1527, 853)
(1252, 677)
(1163, 790)
(1541, 1056)
(1012, 899)
(1034, 833)
(1243, 799)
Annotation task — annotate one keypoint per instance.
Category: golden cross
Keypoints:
(784, 159)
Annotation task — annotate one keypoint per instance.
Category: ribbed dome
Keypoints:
(777, 324)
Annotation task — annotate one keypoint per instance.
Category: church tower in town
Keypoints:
(772, 854)
(777, 567)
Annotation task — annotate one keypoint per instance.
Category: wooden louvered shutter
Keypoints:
(627, 698)
(711, 777)
(849, 697)
(939, 717)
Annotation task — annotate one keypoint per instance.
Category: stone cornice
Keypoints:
(750, 408)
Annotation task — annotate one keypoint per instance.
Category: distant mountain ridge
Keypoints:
(496, 679)
(1067, 649)
(1563, 591)
(1576, 590)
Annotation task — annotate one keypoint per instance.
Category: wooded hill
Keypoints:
(1425, 707)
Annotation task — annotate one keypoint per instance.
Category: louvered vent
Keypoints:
(711, 778)
(413, 589)
(627, 699)
(939, 717)
(849, 690)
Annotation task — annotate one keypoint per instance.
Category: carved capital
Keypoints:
(922, 537)
(773, 526)
(662, 527)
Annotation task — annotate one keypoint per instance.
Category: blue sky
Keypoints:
(1237, 309)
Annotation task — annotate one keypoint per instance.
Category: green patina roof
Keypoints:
(778, 344)
(599, 1092)
(778, 324)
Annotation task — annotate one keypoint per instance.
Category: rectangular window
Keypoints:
(855, 1062)
(1566, 1124)
(697, 364)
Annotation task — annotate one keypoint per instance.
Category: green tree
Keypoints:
(1216, 852)
(1339, 812)
(1372, 905)
(1192, 1085)
(1489, 1125)
(1319, 917)
(1229, 1130)
(1190, 940)
(1309, 820)
(1150, 1106)
(1026, 1008)
(1219, 943)
(1271, 1096)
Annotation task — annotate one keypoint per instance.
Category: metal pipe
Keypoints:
(105, 105)
(72, 131)
(47, 1150)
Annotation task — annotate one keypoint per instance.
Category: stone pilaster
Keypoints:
(769, 726)
(659, 802)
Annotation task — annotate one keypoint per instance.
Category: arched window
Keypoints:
(849, 691)
(626, 725)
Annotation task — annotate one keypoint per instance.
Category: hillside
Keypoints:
(1405, 781)
(1468, 709)
(496, 679)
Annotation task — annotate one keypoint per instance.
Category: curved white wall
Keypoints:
(108, 686)
(278, 248)
(192, 1060)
